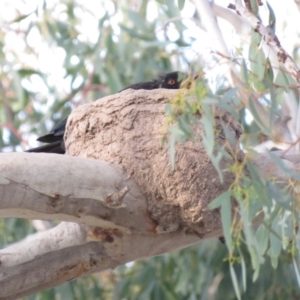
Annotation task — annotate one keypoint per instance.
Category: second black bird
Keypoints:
(55, 138)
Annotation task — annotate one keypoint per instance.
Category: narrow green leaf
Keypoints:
(254, 174)
(296, 271)
(283, 80)
(217, 202)
(257, 61)
(255, 207)
(168, 109)
(275, 242)
(257, 118)
(255, 261)
(258, 185)
(180, 4)
(226, 221)
(229, 95)
(185, 126)
(244, 271)
(247, 226)
(158, 293)
(208, 138)
(103, 19)
(137, 19)
(114, 81)
(20, 18)
(209, 101)
(276, 194)
(235, 282)
(262, 237)
(229, 134)
(274, 262)
(26, 72)
(215, 160)
(146, 293)
(178, 133)
(245, 71)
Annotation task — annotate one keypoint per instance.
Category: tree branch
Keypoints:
(55, 187)
(271, 39)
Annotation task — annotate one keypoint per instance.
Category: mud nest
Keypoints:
(127, 129)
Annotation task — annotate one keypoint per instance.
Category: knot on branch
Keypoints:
(115, 200)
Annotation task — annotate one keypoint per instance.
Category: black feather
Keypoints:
(55, 147)
(55, 139)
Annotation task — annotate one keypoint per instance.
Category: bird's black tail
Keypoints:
(55, 147)
(55, 139)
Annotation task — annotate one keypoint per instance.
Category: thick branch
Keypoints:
(56, 187)
(86, 191)
(70, 251)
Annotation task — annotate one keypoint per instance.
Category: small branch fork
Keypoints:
(269, 37)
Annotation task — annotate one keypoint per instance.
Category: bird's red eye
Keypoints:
(171, 81)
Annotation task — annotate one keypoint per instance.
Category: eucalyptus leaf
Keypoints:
(226, 219)
(217, 202)
(244, 271)
(262, 236)
(235, 282)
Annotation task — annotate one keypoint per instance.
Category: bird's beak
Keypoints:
(190, 79)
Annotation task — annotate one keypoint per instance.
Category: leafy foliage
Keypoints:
(259, 200)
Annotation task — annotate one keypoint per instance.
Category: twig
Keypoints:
(271, 39)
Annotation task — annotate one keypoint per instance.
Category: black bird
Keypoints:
(55, 139)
